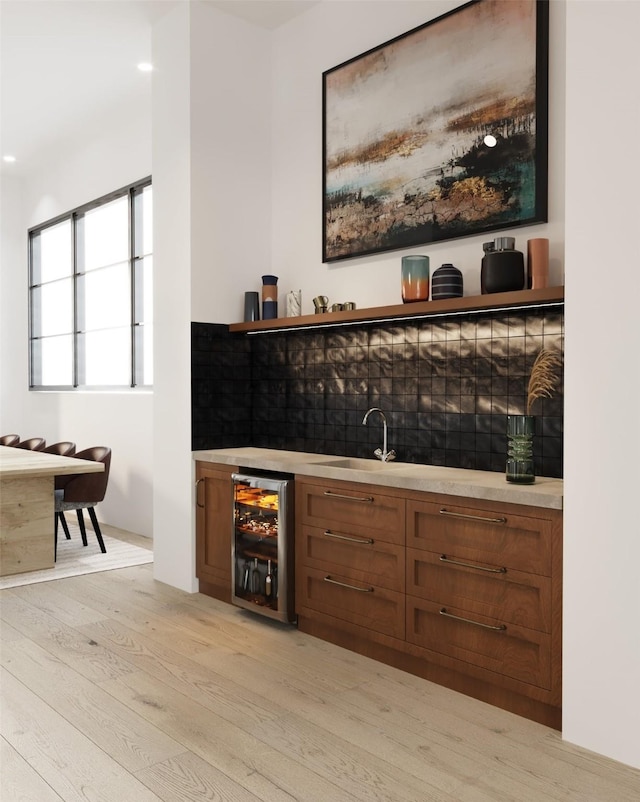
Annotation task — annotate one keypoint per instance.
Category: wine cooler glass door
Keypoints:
(260, 560)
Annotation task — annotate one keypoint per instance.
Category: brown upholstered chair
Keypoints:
(9, 440)
(33, 444)
(63, 449)
(82, 491)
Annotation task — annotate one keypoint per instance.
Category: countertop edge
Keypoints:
(546, 492)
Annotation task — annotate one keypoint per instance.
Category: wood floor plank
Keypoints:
(122, 734)
(191, 779)
(19, 782)
(68, 763)
(254, 764)
(191, 698)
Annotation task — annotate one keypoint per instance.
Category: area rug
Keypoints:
(75, 559)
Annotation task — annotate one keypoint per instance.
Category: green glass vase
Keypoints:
(520, 429)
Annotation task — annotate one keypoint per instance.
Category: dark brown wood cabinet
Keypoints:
(214, 517)
(478, 584)
(350, 555)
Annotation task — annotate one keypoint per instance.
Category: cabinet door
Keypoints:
(214, 520)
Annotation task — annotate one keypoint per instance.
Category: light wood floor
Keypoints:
(117, 688)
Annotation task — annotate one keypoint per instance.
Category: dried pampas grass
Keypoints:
(544, 376)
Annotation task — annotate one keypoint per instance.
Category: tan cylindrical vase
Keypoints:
(538, 263)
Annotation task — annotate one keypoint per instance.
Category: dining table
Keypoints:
(27, 506)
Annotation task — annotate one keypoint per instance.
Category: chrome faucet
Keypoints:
(381, 453)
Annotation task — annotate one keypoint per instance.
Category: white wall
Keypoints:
(324, 37)
(119, 156)
(211, 169)
(602, 439)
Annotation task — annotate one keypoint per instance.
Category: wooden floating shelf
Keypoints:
(471, 303)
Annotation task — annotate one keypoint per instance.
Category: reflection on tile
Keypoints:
(308, 390)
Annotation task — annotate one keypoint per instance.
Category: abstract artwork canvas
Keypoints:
(439, 133)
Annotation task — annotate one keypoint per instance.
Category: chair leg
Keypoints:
(64, 525)
(96, 528)
(83, 531)
(55, 536)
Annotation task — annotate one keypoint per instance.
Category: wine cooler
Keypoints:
(262, 545)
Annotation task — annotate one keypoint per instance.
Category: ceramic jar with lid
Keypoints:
(502, 266)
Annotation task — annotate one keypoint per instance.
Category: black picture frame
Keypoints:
(405, 127)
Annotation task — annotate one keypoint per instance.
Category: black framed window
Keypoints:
(91, 293)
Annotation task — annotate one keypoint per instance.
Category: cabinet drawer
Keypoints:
(491, 536)
(357, 509)
(511, 596)
(512, 651)
(365, 560)
(366, 605)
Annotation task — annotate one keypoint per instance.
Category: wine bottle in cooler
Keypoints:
(268, 582)
(255, 577)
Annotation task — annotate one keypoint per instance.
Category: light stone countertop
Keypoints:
(488, 485)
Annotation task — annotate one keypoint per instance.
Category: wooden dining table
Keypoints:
(27, 480)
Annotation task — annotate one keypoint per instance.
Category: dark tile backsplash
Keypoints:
(446, 387)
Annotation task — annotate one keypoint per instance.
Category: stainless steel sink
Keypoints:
(355, 464)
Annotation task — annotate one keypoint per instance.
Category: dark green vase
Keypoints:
(520, 429)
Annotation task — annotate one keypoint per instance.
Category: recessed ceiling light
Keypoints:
(144, 66)
(490, 141)
(8, 158)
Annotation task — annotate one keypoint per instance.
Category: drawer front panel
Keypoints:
(478, 535)
(357, 509)
(514, 651)
(513, 596)
(368, 606)
(365, 560)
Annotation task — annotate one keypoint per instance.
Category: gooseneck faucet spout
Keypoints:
(380, 453)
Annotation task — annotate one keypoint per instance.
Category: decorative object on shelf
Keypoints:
(502, 266)
(251, 307)
(294, 303)
(269, 297)
(537, 263)
(520, 431)
(320, 303)
(349, 306)
(446, 283)
(459, 150)
(337, 307)
(543, 380)
(415, 278)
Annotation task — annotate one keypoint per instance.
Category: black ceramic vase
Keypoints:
(502, 266)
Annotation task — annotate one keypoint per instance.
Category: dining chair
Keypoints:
(83, 491)
(32, 444)
(9, 439)
(65, 448)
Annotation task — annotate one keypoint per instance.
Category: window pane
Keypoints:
(52, 361)
(144, 290)
(104, 298)
(51, 253)
(104, 235)
(107, 357)
(52, 308)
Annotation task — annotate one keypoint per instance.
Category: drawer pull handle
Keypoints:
(201, 479)
(364, 499)
(498, 628)
(445, 559)
(443, 511)
(364, 541)
(344, 585)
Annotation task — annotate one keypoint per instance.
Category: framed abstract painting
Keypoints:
(439, 133)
